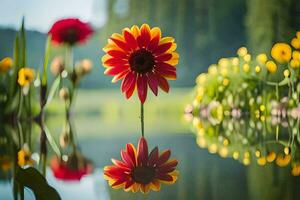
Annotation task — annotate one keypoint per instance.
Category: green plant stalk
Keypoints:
(142, 119)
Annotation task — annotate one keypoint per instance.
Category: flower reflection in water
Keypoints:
(248, 140)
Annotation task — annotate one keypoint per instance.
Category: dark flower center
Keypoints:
(143, 175)
(70, 36)
(141, 61)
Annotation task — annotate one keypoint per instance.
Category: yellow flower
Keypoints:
(296, 55)
(294, 63)
(283, 160)
(257, 69)
(286, 73)
(212, 69)
(5, 64)
(235, 61)
(281, 52)
(295, 43)
(201, 79)
(247, 58)
(261, 58)
(271, 156)
(298, 34)
(224, 72)
(242, 51)
(296, 170)
(223, 62)
(246, 68)
(24, 157)
(26, 76)
(225, 82)
(271, 66)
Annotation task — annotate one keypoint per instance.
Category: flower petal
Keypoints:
(115, 70)
(142, 153)
(120, 164)
(144, 38)
(163, 57)
(153, 157)
(128, 81)
(162, 48)
(117, 54)
(121, 44)
(142, 87)
(164, 157)
(119, 76)
(163, 83)
(130, 40)
(131, 89)
(135, 31)
(127, 159)
(153, 83)
(168, 167)
(131, 152)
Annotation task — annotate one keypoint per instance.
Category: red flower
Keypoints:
(73, 169)
(140, 170)
(142, 58)
(70, 31)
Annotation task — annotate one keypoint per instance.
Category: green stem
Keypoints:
(142, 119)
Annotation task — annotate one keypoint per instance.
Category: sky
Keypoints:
(41, 14)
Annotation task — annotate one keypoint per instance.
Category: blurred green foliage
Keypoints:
(205, 30)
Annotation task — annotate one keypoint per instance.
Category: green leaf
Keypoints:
(23, 42)
(46, 61)
(53, 90)
(52, 141)
(32, 179)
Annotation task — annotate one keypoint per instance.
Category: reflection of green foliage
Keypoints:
(32, 179)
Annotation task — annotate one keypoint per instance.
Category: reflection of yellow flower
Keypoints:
(5, 163)
(257, 69)
(213, 148)
(235, 155)
(295, 43)
(271, 156)
(271, 66)
(5, 64)
(281, 52)
(242, 51)
(26, 76)
(296, 170)
(261, 161)
(286, 73)
(24, 158)
(283, 160)
(295, 63)
(262, 58)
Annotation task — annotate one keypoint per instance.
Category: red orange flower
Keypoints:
(73, 169)
(70, 31)
(142, 58)
(140, 170)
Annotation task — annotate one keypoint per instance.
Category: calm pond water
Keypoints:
(204, 174)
